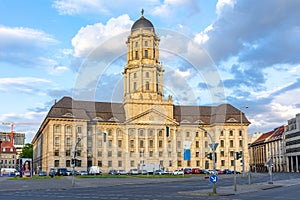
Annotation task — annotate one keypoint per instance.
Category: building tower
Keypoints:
(143, 73)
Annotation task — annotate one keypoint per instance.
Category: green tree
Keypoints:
(27, 151)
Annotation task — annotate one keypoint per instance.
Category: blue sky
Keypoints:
(225, 51)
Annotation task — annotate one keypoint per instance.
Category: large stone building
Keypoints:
(145, 128)
(292, 139)
(269, 146)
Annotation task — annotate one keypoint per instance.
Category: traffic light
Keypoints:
(238, 155)
(167, 131)
(209, 156)
(104, 137)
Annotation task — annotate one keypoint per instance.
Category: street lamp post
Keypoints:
(243, 154)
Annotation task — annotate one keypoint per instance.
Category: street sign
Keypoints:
(213, 147)
(213, 179)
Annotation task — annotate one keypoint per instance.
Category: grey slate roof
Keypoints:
(107, 111)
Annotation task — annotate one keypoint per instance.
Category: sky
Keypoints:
(213, 52)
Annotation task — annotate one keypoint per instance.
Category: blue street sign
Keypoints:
(213, 178)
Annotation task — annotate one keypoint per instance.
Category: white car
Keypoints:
(177, 172)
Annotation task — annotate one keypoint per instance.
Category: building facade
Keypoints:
(8, 152)
(269, 146)
(292, 139)
(145, 128)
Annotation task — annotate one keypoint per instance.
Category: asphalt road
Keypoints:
(141, 189)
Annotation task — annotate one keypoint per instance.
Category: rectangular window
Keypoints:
(131, 143)
(68, 152)
(56, 163)
(160, 154)
(99, 143)
(151, 154)
(222, 143)
(241, 143)
(119, 143)
(179, 163)
(109, 143)
(109, 163)
(68, 141)
(141, 143)
(119, 163)
(68, 163)
(78, 152)
(178, 144)
(68, 129)
(222, 153)
(197, 154)
(99, 163)
(231, 143)
(56, 141)
(146, 53)
(232, 163)
(179, 154)
(109, 153)
(240, 133)
(134, 86)
(79, 129)
(136, 55)
(131, 153)
(205, 144)
(56, 128)
(145, 43)
(99, 153)
(198, 163)
(197, 144)
(187, 134)
(132, 163)
(119, 153)
(151, 143)
(231, 133)
(222, 163)
(160, 144)
(56, 153)
(170, 163)
(136, 44)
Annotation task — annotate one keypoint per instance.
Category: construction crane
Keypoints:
(12, 131)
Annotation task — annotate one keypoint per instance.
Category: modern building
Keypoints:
(145, 128)
(269, 146)
(292, 139)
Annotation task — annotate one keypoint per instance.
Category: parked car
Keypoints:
(42, 173)
(212, 171)
(159, 172)
(83, 172)
(121, 172)
(52, 172)
(177, 172)
(204, 171)
(112, 172)
(133, 171)
(62, 171)
(227, 171)
(196, 171)
(69, 173)
(187, 170)
(220, 171)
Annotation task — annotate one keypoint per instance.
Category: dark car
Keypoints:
(187, 170)
(42, 173)
(227, 171)
(52, 172)
(62, 172)
(112, 172)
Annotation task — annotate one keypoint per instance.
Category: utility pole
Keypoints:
(213, 147)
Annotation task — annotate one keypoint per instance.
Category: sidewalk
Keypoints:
(246, 188)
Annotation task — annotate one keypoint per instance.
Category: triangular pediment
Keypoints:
(152, 116)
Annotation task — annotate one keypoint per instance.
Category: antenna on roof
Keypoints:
(54, 101)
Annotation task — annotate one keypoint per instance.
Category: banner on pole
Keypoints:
(187, 150)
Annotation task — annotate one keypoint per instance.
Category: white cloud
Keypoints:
(23, 84)
(224, 4)
(71, 7)
(90, 37)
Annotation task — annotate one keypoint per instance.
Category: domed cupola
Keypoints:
(142, 23)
